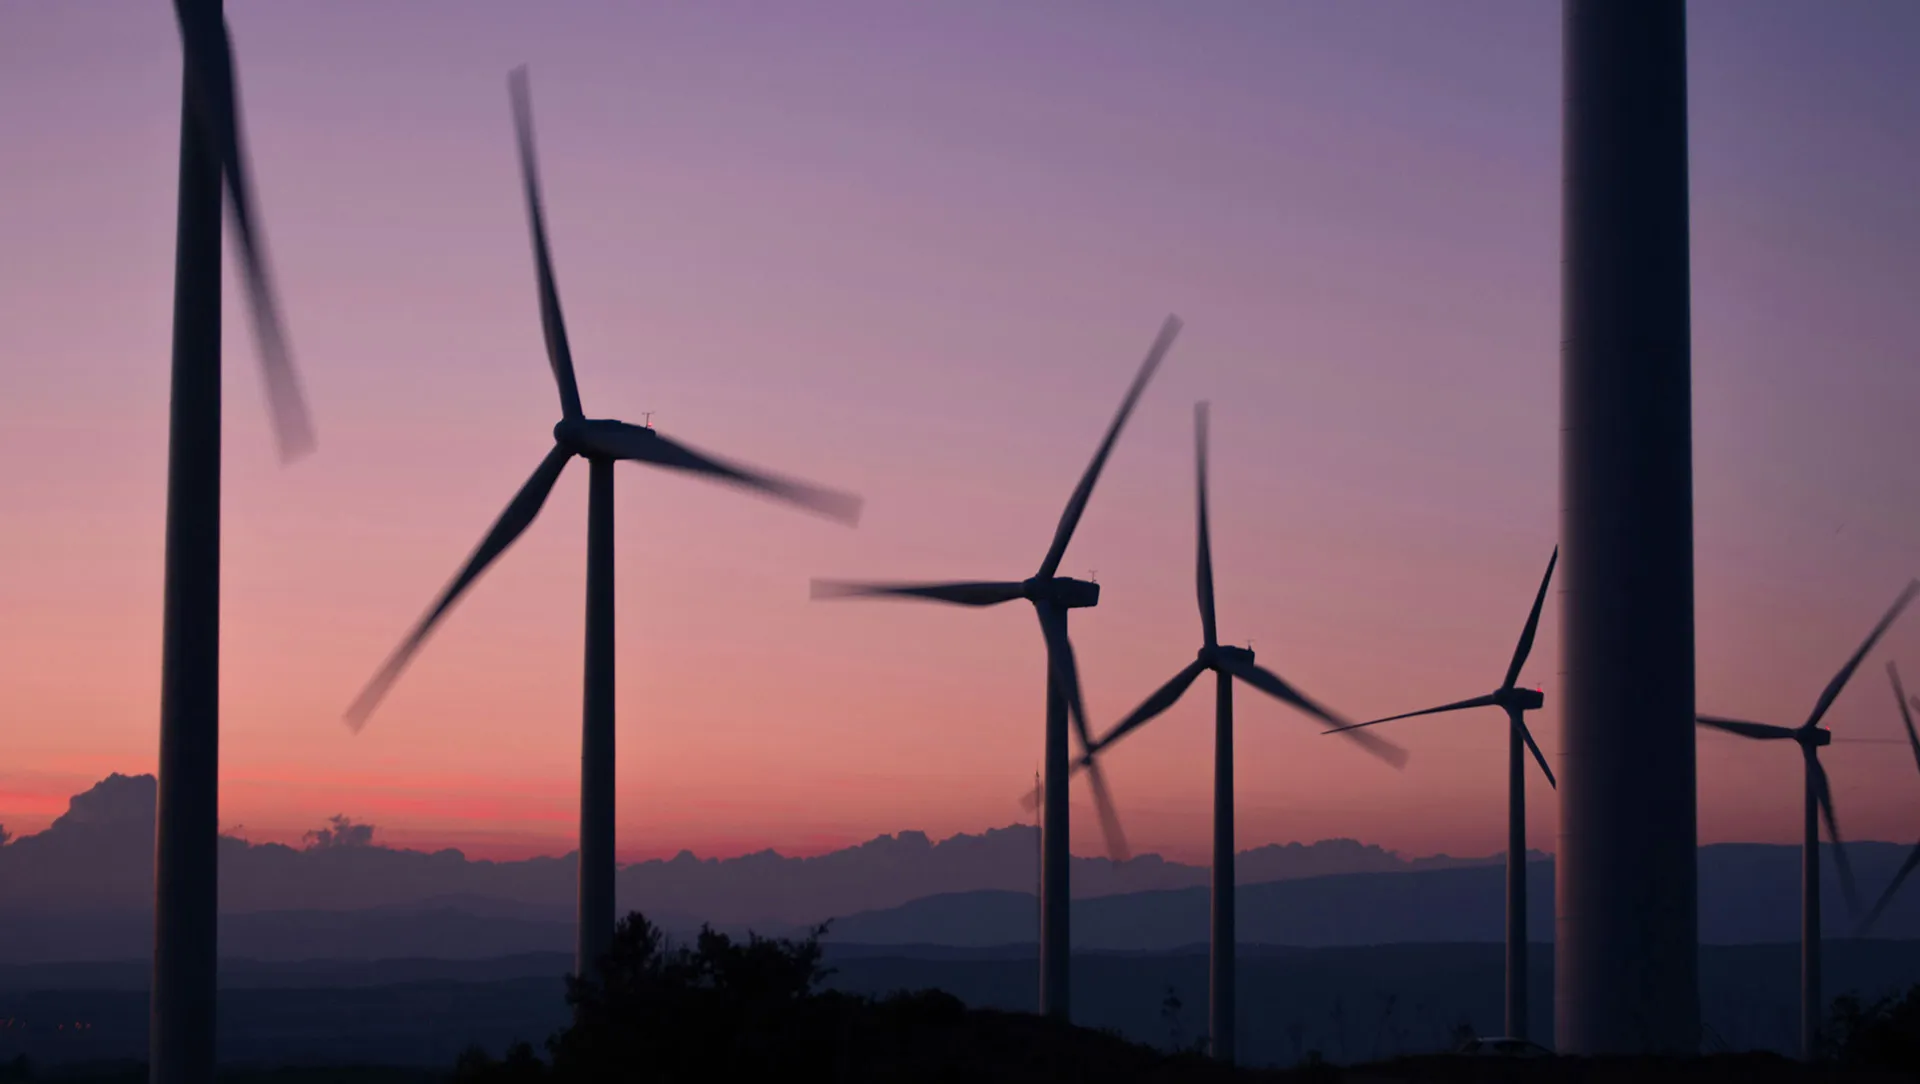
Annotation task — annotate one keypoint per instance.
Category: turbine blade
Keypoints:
(641, 445)
(1526, 735)
(1163, 698)
(1886, 897)
(1204, 560)
(1268, 682)
(1065, 670)
(1077, 504)
(1525, 647)
(1109, 819)
(1488, 701)
(519, 514)
(1823, 793)
(216, 104)
(1756, 731)
(961, 594)
(1066, 677)
(559, 355)
(1840, 679)
(1031, 800)
(1906, 716)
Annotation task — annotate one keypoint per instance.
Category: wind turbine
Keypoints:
(1901, 698)
(1227, 663)
(601, 442)
(1819, 802)
(1516, 702)
(1052, 596)
(186, 840)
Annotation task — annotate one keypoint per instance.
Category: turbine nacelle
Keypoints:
(1218, 656)
(1063, 592)
(1520, 699)
(1814, 736)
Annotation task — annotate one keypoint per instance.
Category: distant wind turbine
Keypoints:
(1516, 702)
(601, 442)
(1819, 802)
(213, 158)
(1227, 663)
(1052, 596)
(1901, 698)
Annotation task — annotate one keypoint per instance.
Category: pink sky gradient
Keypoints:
(916, 252)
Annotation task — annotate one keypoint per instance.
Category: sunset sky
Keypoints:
(916, 252)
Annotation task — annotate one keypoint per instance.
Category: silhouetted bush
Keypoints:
(521, 1064)
(718, 1005)
(721, 1009)
(1883, 1035)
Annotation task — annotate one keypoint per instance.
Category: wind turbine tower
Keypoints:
(213, 164)
(1626, 955)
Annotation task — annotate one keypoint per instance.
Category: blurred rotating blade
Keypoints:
(1525, 647)
(1077, 503)
(1840, 679)
(1906, 716)
(1756, 731)
(642, 445)
(1268, 682)
(559, 354)
(518, 515)
(1823, 793)
(960, 594)
(1109, 820)
(1203, 562)
(1066, 678)
(214, 96)
(1886, 897)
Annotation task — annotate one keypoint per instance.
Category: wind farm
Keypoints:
(919, 254)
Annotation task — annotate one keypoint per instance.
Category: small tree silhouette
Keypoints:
(1463, 1033)
(1884, 1035)
(520, 1065)
(1170, 1013)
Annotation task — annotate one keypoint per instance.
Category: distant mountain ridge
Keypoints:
(98, 856)
(81, 891)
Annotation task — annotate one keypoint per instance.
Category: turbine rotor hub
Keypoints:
(583, 436)
(1220, 654)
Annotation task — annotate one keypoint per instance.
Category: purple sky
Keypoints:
(915, 251)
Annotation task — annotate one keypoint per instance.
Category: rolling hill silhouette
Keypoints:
(82, 891)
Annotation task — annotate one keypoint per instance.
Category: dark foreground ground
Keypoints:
(1352, 1005)
(1098, 1059)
